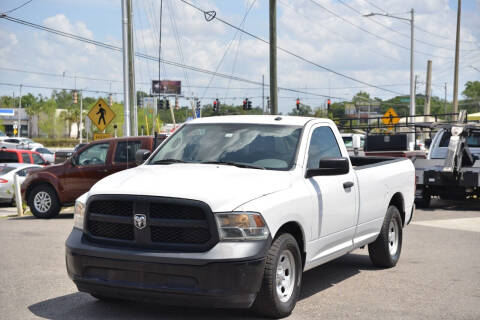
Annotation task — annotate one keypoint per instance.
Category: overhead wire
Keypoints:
(331, 30)
(372, 33)
(16, 8)
(290, 52)
(228, 48)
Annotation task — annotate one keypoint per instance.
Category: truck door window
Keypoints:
(95, 155)
(125, 151)
(8, 157)
(322, 145)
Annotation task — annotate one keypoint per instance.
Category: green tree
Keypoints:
(361, 96)
(303, 110)
(472, 90)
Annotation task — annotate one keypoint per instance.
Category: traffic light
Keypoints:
(215, 107)
(160, 104)
(328, 105)
(249, 103)
(75, 97)
(140, 101)
(110, 100)
(245, 104)
(198, 104)
(298, 103)
(167, 104)
(218, 104)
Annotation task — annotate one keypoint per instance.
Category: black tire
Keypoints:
(424, 201)
(54, 208)
(379, 250)
(268, 302)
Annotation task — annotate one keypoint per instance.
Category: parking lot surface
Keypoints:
(437, 277)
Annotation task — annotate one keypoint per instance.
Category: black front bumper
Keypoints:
(167, 278)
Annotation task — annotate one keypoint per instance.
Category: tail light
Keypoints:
(3, 180)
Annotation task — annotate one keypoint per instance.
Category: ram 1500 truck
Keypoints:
(230, 211)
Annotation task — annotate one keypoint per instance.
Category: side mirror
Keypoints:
(141, 155)
(330, 167)
(73, 160)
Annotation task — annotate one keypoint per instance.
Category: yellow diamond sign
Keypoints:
(101, 114)
(390, 118)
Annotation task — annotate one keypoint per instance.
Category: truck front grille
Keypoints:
(171, 224)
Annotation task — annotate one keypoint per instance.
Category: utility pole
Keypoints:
(126, 87)
(131, 73)
(263, 93)
(19, 108)
(81, 116)
(445, 101)
(273, 57)
(457, 57)
(412, 88)
(428, 88)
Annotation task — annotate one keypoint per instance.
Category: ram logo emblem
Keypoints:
(140, 221)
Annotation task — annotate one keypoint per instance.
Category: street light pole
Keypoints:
(412, 72)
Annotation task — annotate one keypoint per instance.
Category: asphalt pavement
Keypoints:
(437, 277)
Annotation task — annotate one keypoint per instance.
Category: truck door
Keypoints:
(334, 196)
(89, 166)
(124, 155)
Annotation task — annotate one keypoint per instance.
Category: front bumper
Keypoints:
(214, 278)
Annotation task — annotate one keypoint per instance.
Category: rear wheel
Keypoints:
(281, 281)
(43, 202)
(385, 251)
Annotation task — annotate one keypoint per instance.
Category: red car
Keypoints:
(21, 156)
(48, 189)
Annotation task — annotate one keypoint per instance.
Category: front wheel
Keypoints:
(43, 202)
(282, 277)
(385, 251)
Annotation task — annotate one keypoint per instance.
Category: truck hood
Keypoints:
(222, 187)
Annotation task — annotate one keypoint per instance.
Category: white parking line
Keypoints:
(465, 224)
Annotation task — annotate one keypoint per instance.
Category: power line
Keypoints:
(148, 57)
(373, 34)
(53, 88)
(398, 32)
(422, 29)
(14, 9)
(289, 52)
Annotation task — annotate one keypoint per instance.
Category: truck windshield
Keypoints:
(250, 145)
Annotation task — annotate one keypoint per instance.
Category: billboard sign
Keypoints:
(167, 87)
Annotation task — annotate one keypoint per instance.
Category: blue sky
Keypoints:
(303, 27)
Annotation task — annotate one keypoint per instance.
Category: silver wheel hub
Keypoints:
(42, 202)
(285, 277)
(393, 234)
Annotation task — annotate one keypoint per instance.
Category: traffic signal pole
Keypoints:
(273, 57)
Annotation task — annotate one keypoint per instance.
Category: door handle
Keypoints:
(347, 185)
(102, 170)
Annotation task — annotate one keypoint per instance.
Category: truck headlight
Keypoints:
(79, 215)
(241, 226)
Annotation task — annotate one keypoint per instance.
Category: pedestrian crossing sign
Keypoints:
(390, 118)
(101, 114)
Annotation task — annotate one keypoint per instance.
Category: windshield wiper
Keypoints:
(168, 161)
(236, 164)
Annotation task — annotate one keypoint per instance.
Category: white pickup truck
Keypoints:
(230, 211)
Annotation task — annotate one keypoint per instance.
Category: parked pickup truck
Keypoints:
(230, 211)
(53, 187)
(452, 170)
